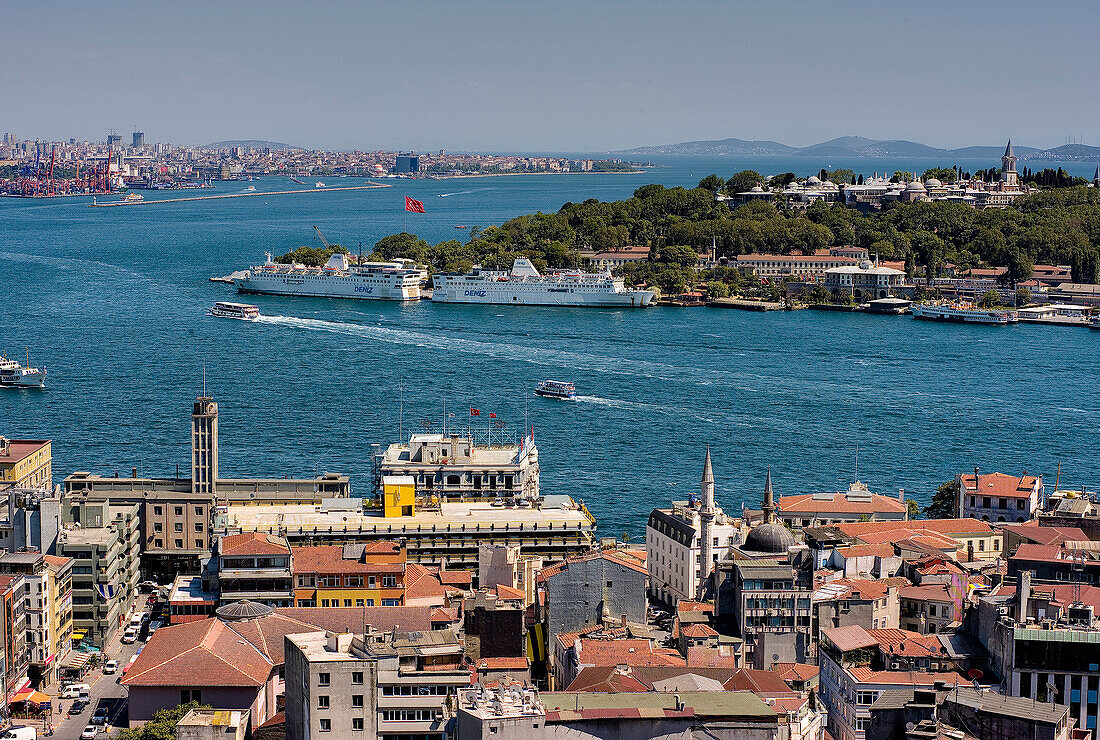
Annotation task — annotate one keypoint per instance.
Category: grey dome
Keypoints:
(769, 538)
(239, 611)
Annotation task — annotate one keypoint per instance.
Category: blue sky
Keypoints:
(566, 76)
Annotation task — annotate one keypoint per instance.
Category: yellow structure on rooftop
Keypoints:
(398, 496)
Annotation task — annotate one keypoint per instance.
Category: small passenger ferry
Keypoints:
(963, 312)
(228, 310)
(556, 389)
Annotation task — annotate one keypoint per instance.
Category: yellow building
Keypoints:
(398, 495)
(371, 574)
(60, 572)
(26, 463)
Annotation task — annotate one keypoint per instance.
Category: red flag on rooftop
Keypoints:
(413, 205)
(492, 415)
(475, 412)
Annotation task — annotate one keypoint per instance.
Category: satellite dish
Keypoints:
(910, 726)
(974, 673)
(775, 657)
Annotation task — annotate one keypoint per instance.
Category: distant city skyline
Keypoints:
(496, 76)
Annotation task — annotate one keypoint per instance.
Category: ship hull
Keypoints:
(314, 286)
(528, 295)
(993, 318)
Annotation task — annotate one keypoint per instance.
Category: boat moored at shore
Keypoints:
(526, 286)
(966, 313)
(387, 281)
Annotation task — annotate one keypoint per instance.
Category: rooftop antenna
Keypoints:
(857, 461)
(401, 412)
(204, 380)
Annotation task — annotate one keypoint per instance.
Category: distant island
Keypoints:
(858, 146)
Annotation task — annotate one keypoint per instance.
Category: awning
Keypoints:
(22, 695)
(76, 659)
(79, 635)
(37, 697)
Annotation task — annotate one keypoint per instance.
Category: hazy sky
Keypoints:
(551, 76)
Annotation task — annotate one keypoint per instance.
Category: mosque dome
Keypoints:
(915, 186)
(756, 189)
(813, 180)
(932, 183)
(240, 611)
(771, 538)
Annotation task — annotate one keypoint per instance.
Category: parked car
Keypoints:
(146, 587)
(20, 733)
(89, 733)
(129, 636)
(99, 719)
(78, 707)
(110, 666)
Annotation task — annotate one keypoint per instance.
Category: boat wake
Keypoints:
(497, 350)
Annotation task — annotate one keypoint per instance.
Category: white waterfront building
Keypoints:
(674, 543)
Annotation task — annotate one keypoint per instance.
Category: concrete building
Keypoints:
(456, 466)
(870, 604)
(407, 163)
(967, 540)
(675, 543)
(346, 684)
(48, 605)
(767, 604)
(933, 608)
(257, 567)
(33, 520)
(213, 724)
(506, 565)
(792, 265)
(998, 497)
(602, 587)
(26, 463)
(825, 508)
(13, 620)
(448, 535)
(865, 281)
(494, 627)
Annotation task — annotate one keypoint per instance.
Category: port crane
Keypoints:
(322, 237)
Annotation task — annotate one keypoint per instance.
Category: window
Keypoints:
(198, 511)
(357, 700)
(158, 527)
(389, 581)
(189, 695)
(158, 543)
(347, 602)
(981, 546)
(370, 582)
(178, 526)
(326, 725)
(179, 544)
(357, 724)
(179, 511)
(157, 510)
(391, 602)
(360, 602)
(863, 724)
(322, 679)
(357, 677)
(325, 602)
(198, 544)
(986, 502)
(198, 526)
(353, 581)
(611, 584)
(1021, 504)
(322, 702)
(866, 698)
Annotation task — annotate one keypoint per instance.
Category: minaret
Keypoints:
(1008, 166)
(1096, 178)
(204, 446)
(769, 499)
(706, 519)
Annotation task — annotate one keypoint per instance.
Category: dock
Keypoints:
(230, 278)
(745, 305)
(372, 186)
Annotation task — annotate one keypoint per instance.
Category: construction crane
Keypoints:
(322, 237)
(49, 171)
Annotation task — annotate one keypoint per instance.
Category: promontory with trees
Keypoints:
(1053, 225)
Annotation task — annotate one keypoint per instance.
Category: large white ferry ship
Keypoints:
(525, 286)
(964, 313)
(386, 281)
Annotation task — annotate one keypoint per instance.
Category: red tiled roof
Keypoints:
(930, 592)
(440, 614)
(939, 526)
(999, 484)
(864, 674)
(688, 605)
(456, 577)
(606, 679)
(698, 631)
(508, 593)
(330, 559)
(860, 551)
(1046, 535)
(253, 543)
(758, 682)
(631, 652)
(840, 504)
(708, 656)
(421, 583)
(622, 557)
(1031, 551)
(851, 637)
(21, 448)
(796, 671)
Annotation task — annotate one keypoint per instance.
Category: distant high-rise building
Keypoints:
(139, 140)
(407, 163)
(114, 141)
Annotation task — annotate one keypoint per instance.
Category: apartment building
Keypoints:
(368, 574)
(256, 567)
(48, 607)
(13, 618)
(26, 463)
(391, 685)
(765, 603)
(996, 497)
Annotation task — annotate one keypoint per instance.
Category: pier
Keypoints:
(372, 186)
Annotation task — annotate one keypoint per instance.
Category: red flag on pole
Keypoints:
(413, 205)
(492, 415)
(475, 412)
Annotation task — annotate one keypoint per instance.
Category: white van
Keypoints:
(136, 621)
(76, 691)
(20, 733)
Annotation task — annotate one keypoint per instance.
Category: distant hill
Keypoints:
(253, 143)
(859, 146)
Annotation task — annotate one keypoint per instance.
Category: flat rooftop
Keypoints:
(93, 536)
(451, 515)
(230, 718)
(187, 589)
(495, 456)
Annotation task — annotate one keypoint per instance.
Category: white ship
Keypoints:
(524, 286)
(384, 281)
(230, 310)
(14, 375)
(964, 313)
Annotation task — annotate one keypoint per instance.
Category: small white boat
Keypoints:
(250, 189)
(229, 310)
(318, 184)
(14, 375)
(556, 389)
(133, 197)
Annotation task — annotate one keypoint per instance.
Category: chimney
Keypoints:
(1023, 593)
(133, 472)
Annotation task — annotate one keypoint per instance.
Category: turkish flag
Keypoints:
(492, 415)
(475, 412)
(413, 205)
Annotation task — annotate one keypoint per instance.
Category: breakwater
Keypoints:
(158, 201)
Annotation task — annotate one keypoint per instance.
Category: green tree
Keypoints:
(680, 255)
(782, 180)
(718, 289)
(990, 299)
(713, 183)
(912, 509)
(1023, 297)
(163, 724)
(944, 504)
(943, 174)
(310, 256)
(744, 181)
(839, 176)
(1084, 264)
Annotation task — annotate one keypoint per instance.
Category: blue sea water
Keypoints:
(113, 302)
